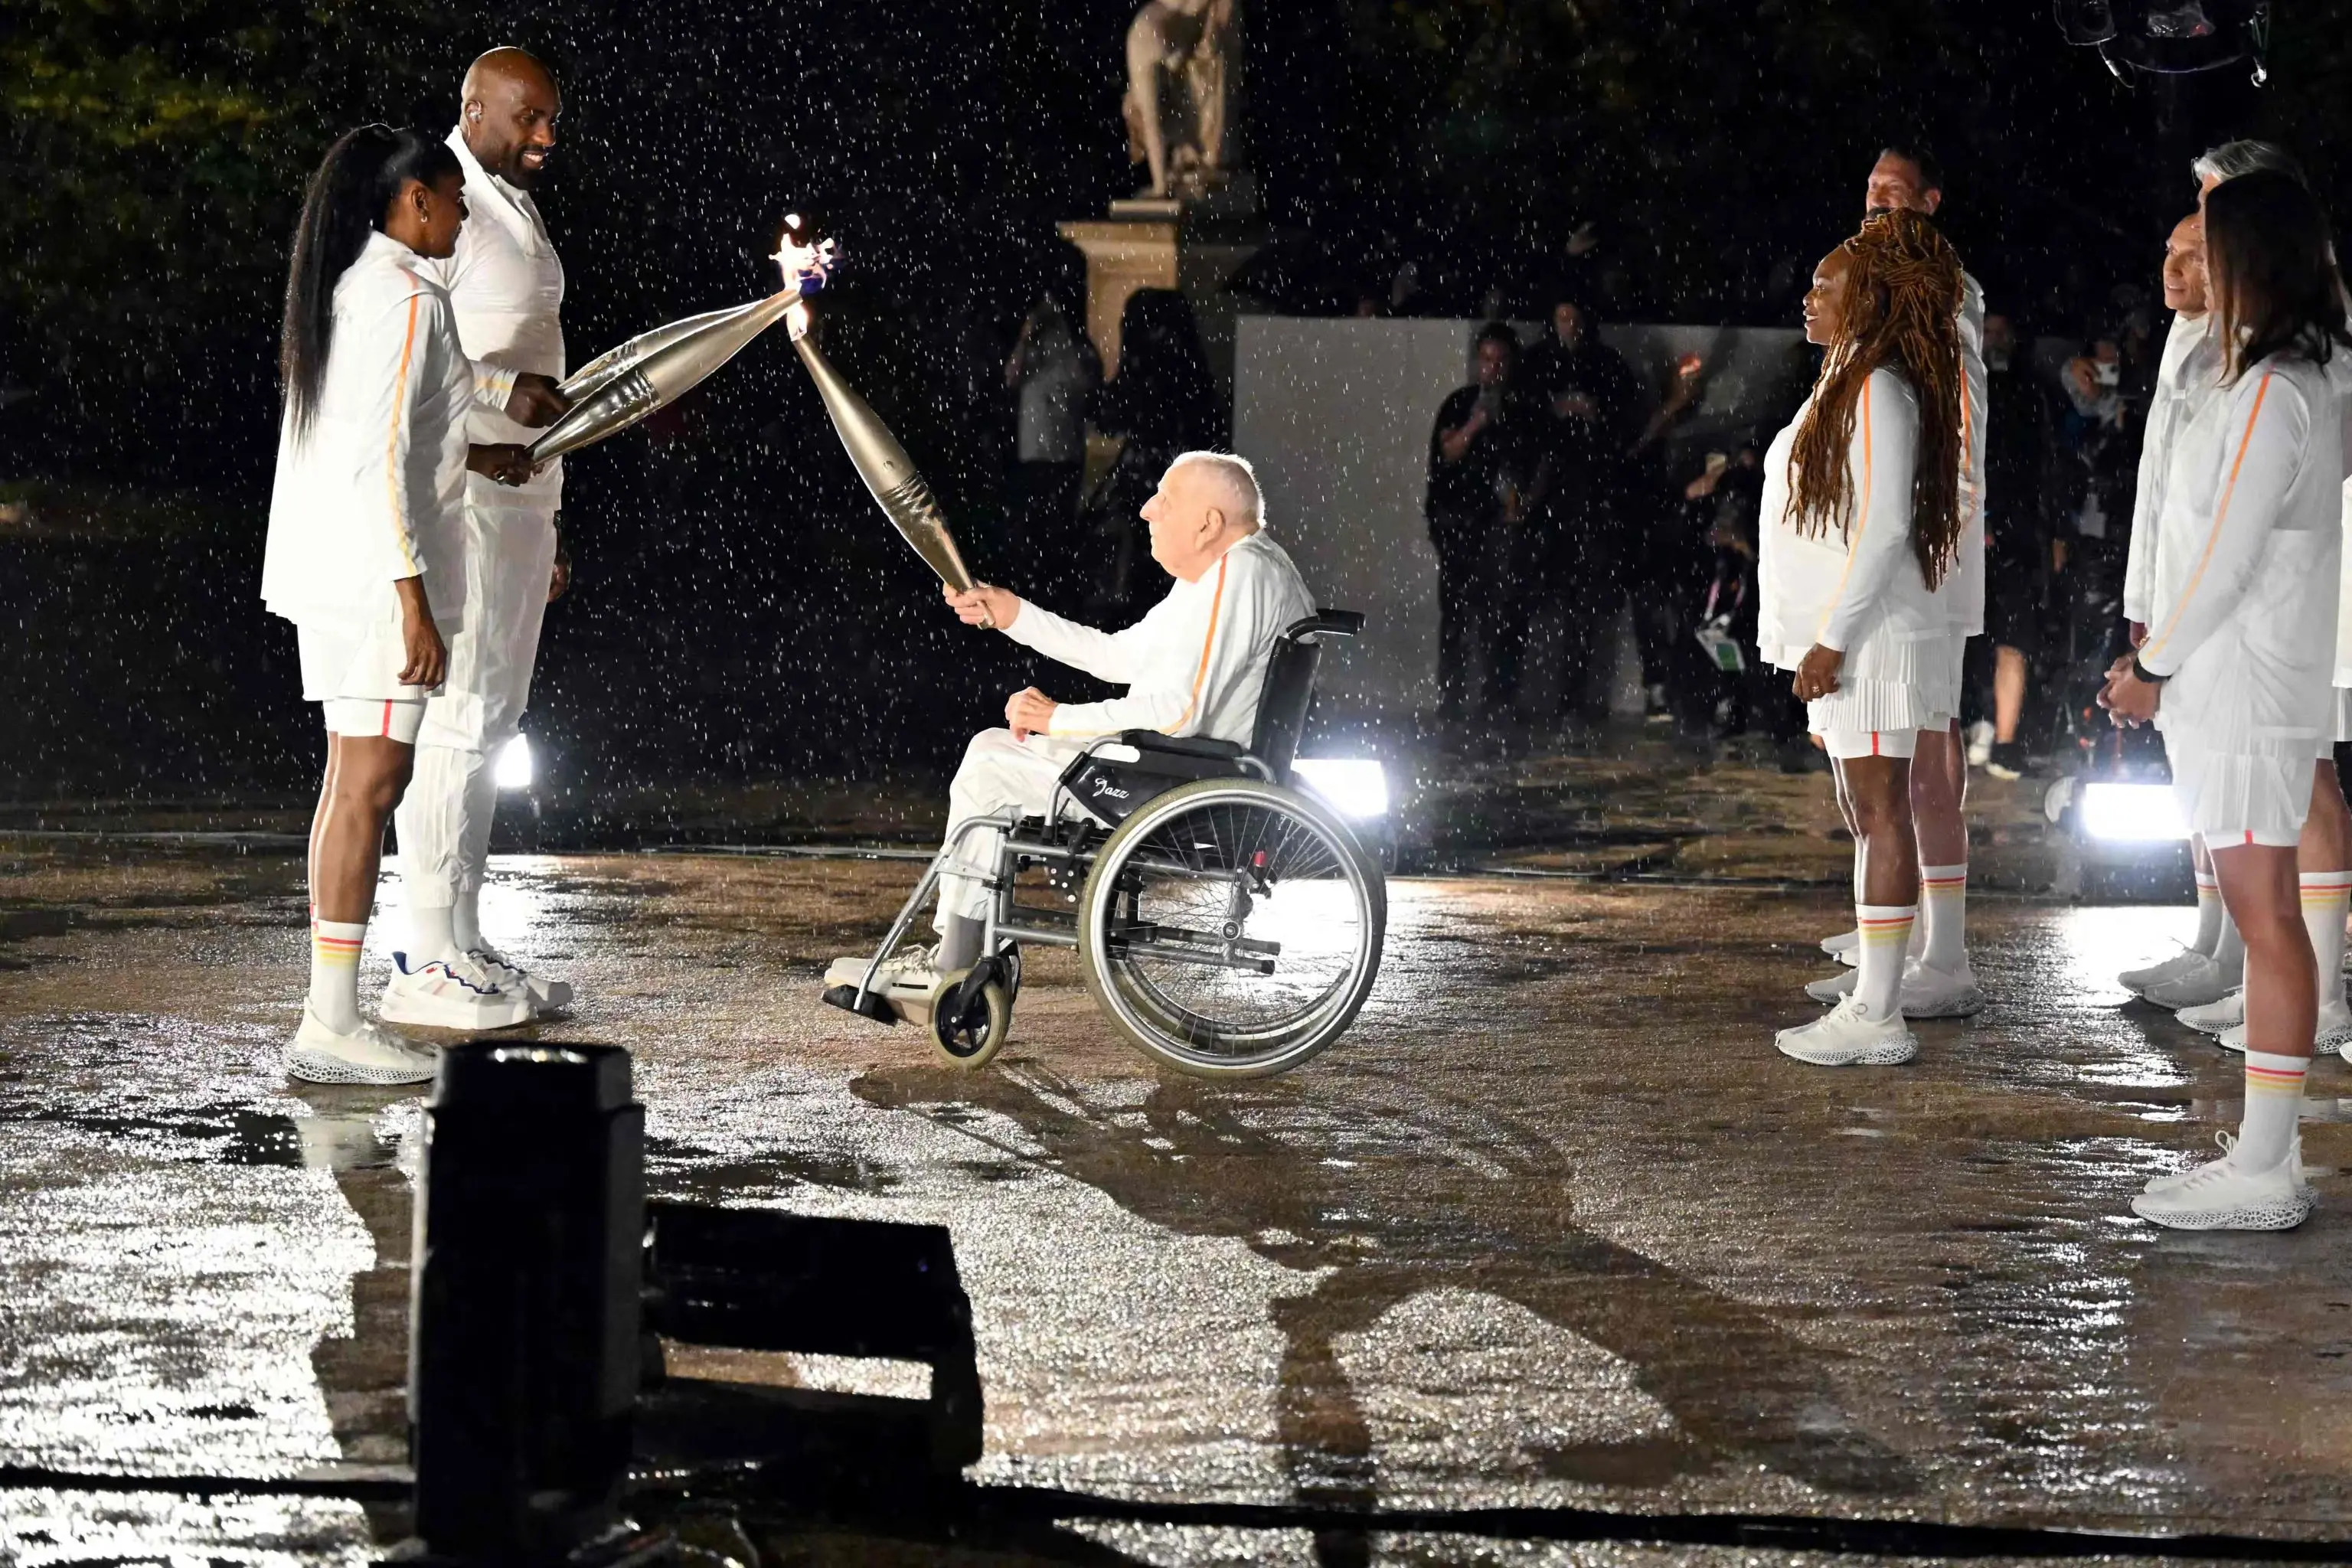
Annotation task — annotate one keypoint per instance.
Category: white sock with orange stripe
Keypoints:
(1885, 934)
(335, 973)
(2273, 1104)
(2326, 895)
(1944, 911)
(2209, 914)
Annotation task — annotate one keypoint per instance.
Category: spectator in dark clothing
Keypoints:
(1162, 402)
(1486, 468)
(1052, 370)
(1656, 550)
(2024, 550)
(1594, 404)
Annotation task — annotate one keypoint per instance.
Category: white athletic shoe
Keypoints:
(2138, 980)
(2223, 1195)
(909, 975)
(546, 995)
(2217, 1018)
(1843, 1037)
(451, 994)
(1981, 735)
(369, 1054)
(2197, 983)
(1926, 993)
(1842, 946)
(2335, 1032)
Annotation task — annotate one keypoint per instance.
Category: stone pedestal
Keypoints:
(1192, 245)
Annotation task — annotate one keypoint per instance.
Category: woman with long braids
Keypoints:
(366, 550)
(1863, 519)
(2237, 665)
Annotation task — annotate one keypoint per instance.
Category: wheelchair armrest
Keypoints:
(1327, 624)
(1151, 741)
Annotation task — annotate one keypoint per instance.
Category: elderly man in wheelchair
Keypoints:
(1228, 923)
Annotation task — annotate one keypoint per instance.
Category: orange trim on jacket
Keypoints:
(2220, 516)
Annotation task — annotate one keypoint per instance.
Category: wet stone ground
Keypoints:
(1553, 1226)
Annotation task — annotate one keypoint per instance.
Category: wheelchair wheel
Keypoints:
(1231, 927)
(967, 1031)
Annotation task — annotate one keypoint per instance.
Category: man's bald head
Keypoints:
(508, 109)
(1206, 503)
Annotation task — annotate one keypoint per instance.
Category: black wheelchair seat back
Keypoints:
(1108, 787)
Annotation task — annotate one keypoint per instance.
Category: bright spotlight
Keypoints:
(2132, 813)
(1356, 787)
(514, 770)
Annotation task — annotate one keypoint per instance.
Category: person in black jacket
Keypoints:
(1595, 535)
(2022, 549)
(1485, 463)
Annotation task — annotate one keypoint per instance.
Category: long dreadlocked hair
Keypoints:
(1903, 302)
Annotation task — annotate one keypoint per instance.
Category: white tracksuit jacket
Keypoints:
(1194, 664)
(373, 490)
(1862, 595)
(2248, 568)
(1963, 591)
(506, 285)
(2188, 378)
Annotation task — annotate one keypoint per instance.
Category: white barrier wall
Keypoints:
(1334, 412)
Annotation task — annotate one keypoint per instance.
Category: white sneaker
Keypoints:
(545, 995)
(2217, 1018)
(2197, 983)
(909, 975)
(1981, 735)
(2224, 1195)
(1843, 945)
(1926, 993)
(369, 1054)
(451, 994)
(2335, 1032)
(1846, 1036)
(2138, 980)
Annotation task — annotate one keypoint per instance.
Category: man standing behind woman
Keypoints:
(2238, 667)
(1863, 528)
(367, 551)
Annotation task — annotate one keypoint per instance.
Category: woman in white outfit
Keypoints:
(1861, 498)
(2239, 654)
(366, 550)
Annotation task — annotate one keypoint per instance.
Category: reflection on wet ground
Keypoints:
(1552, 1226)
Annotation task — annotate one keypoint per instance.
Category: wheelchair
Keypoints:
(1228, 923)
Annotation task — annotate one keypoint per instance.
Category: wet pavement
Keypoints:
(1552, 1228)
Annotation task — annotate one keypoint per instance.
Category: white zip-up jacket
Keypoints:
(2188, 378)
(374, 491)
(2248, 566)
(1963, 591)
(1195, 664)
(1864, 588)
(507, 285)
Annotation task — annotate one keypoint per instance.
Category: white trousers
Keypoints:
(444, 822)
(998, 773)
(443, 819)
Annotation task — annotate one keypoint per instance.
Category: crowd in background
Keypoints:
(1567, 505)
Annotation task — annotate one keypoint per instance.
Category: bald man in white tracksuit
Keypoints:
(1194, 666)
(506, 285)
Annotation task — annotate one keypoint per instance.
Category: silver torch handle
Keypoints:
(897, 488)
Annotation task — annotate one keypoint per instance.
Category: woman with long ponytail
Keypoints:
(366, 549)
(1861, 529)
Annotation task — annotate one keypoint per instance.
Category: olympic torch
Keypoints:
(612, 364)
(887, 469)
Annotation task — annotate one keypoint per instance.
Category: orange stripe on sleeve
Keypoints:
(2220, 516)
(392, 439)
(1861, 524)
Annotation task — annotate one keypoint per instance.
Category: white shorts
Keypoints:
(359, 659)
(1943, 721)
(2230, 798)
(1846, 744)
(387, 718)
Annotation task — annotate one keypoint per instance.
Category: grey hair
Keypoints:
(1245, 502)
(2232, 158)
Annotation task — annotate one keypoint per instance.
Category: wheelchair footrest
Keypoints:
(868, 1006)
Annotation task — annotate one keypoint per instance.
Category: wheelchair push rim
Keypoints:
(1231, 927)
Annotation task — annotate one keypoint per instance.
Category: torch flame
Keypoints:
(806, 266)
